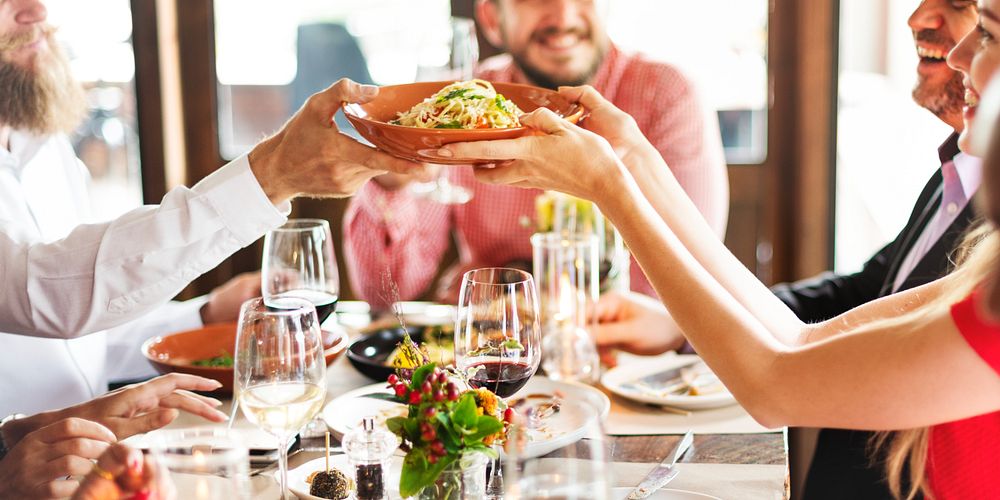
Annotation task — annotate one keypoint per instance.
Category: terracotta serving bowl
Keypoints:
(176, 352)
(412, 143)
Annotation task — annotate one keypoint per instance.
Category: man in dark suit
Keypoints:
(842, 467)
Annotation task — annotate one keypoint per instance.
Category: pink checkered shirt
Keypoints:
(409, 235)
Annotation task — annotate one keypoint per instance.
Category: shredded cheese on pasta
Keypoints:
(463, 105)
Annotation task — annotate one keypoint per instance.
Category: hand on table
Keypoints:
(122, 473)
(224, 301)
(133, 409)
(634, 323)
(38, 465)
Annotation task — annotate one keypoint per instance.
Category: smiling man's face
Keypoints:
(937, 27)
(553, 42)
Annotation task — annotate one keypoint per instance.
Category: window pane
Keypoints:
(886, 144)
(715, 51)
(102, 59)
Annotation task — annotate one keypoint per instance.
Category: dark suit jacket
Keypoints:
(840, 469)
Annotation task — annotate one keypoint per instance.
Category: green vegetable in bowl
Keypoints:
(224, 360)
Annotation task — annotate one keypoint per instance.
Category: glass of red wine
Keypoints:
(299, 263)
(497, 337)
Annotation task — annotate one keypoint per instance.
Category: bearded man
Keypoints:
(548, 43)
(43, 197)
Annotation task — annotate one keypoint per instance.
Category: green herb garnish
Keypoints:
(454, 124)
(224, 360)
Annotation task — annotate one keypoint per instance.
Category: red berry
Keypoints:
(508, 415)
(438, 396)
(414, 398)
(431, 411)
(426, 388)
(432, 459)
(400, 390)
(429, 436)
(437, 447)
(393, 379)
(442, 377)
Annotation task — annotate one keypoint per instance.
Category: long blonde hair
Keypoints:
(906, 450)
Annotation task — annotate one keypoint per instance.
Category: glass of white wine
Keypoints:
(280, 372)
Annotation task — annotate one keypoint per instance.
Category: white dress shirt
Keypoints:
(67, 280)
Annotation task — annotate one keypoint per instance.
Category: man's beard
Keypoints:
(545, 80)
(941, 101)
(44, 99)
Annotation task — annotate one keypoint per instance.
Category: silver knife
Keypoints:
(664, 471)
(661, 379)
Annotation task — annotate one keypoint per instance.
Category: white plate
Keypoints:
(297, 477)
(565, 427)
(665, 494)
(617, 378)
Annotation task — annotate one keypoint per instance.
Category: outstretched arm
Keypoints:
(735, 322)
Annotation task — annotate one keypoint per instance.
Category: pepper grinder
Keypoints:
(369, 449)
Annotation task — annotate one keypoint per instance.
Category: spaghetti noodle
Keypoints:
(463, 105)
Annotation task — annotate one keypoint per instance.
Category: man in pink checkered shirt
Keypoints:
(549, 43)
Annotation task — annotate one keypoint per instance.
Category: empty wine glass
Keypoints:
(279, 370)
(299, 262)
(497, 337)
(451, 55)
(577, 471)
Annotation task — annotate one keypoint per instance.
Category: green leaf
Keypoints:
(396, 425)
(482, 448)
(418, 472)
(454, 124)
(451, 439)
(412, 429)
(383, 397)
(485, 426)
(420, 375)
(453, 94)
(464, 414)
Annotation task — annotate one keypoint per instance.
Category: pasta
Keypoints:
(463, 105)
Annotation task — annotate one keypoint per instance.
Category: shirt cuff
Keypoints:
(234, 192)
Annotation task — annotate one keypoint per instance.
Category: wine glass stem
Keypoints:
(494, 485)
(283, 466)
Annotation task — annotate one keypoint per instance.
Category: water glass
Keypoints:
(201, 464)
(565, 268)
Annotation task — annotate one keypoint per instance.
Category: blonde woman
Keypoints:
(928, 357)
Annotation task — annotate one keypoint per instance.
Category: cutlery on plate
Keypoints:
(664, 472)
(669, 380)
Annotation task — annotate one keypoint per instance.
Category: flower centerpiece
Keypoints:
(448, 426)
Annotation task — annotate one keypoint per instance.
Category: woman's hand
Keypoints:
(609, 122)
(563, 157)
(120, 473)
(38, 465)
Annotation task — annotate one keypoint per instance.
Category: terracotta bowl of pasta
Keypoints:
(208, 352)
(411, 121)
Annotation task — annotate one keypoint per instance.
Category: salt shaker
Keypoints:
(369, 449)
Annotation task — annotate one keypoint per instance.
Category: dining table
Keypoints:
(731, 458)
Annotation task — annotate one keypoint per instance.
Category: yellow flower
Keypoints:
(486, 402)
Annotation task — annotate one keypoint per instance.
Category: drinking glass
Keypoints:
(577, 471)
(450, 54)
(497, 337)
(299, 262)
(201, 464)
(279, 370)
(565, 269)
